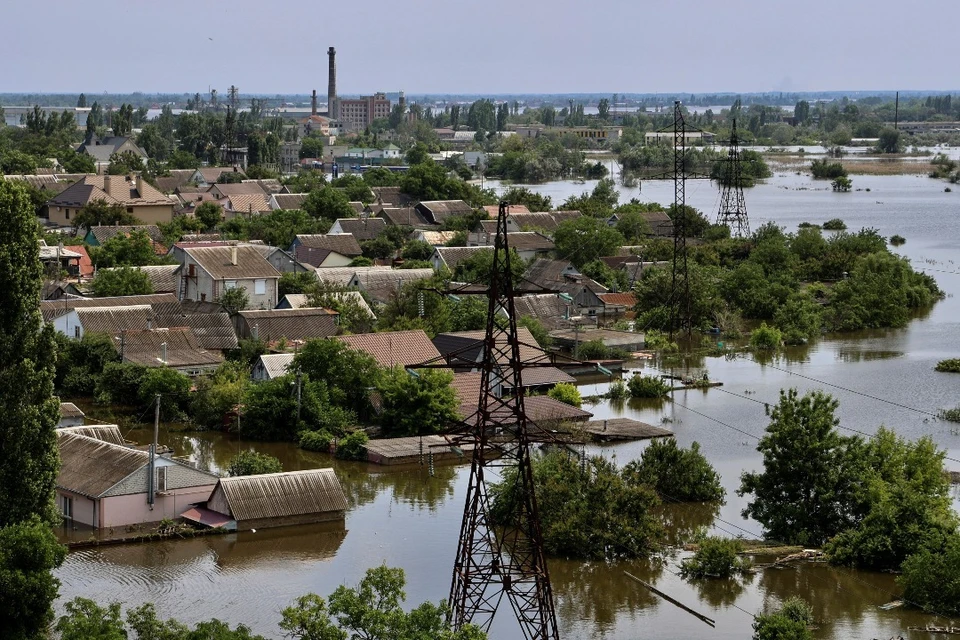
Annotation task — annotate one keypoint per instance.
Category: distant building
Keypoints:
(100, 149)
(689, 137)
(133, 193)
(359, 113)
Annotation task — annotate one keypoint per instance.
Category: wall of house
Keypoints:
(334, 259)
(153, 214)
(84, 511)
(125, 510)
(199, 286)
(68, 324)
(309, 518)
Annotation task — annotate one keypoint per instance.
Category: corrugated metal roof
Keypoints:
(452, 256)
(70, 410)
(104, 233)
(162, 303)
(217, 261)
(343, 275)
(276, 364)
(290, 200)
(292, 324)
(362, 228)
(276, 495)
(113, 319)
(91, 467)
(145, 347)
(382, 285)
(103, 432)
(212, 330)
(343, 243)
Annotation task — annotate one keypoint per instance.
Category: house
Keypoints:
(343, 276)
(382, 285)
(76, 323)
(70, 415)
(271, 365)
(552, 310)
(493, 210)
(561, 276)
(208, 272)
(214, 332)
(393, 348)
(56, 258)
(287, 201)
(689, 137)
(659, 223)
(527, 244)
(287, 324)
(404, 217)
(84, 265)
(365, 228)
(100, 149)
(176, 179)
(275, 500)
(450, 257)
(98, 235)
(391, 197)
(133, 193)
(209, 176)
(300, 301)
(162, 277)
(343, 243)
(105, 485)
(161, 303)
(543, 411)
(230, 189)
(246, 205)
(616, 306)
(175, 348)
(433, 238)
(282, 261)
(439, 211)
(542, 221)
(623, 340)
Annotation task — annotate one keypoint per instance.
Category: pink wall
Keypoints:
(82, 507)
(121, 511)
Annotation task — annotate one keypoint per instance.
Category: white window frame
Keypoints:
(161, 483)
(66, 507)
(229, 284)
(260, 287)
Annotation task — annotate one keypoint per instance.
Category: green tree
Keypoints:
(17, 162)
(417, 250)
(29, 414)
(810, 476)
(587, 510)
(791, 622)
(134, 250)
(715, 558)
(585, 239)
(603, 109)
(632, 226)
(889, 141)
(677, 474)
(85, 620)
(210, 214)
(642, 386)
(251, 463)
(418, 154)
(299, 282)
(234, 300)
(219, 394)
(173, 388)
(328, 203)
(125, 163)
(350, 374)
(929, 578)
(98, 212)
(121, 281)
(372, 611)
(417, 404)
(566, 393)
(355, 315)
(311, 147)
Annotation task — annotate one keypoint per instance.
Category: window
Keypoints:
(129, 209)
(259, 287)
(68, 214)
(161, 478)
(66, 507)
(76, 332)
(229, 284)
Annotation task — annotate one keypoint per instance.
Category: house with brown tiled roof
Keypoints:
(246, 205)
(161, 303)
(236, 189)
(288, 201)
(206, 273)
(343, 243)
(135, 194)
(493, 210)
(392, 348)
(438, 211)
(177, 178)
(404, 217)
(208, 176)
(287, 324)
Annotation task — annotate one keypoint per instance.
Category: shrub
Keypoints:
(835, 224)
(642, 386)
(566, 393)
(618, 390)
(951, 415)
(677, 474)
(949, 366)
(824, 169)
(315, 440)
(791, 622)
(929, 579)
(593, 350)
(842, 183)
(764, 337)
(897, 240)
(715, 558)
(353, 447)
(251, 463)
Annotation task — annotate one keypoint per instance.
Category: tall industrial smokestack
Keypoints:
(313, 103)
(332, 109)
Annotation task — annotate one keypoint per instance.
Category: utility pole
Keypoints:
(299, 393)
(733, 206)
(151, 488)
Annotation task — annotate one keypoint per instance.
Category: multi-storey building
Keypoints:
(359, 113)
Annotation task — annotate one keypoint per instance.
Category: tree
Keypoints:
(585, 239)
(417, 250)
(810, 474)
(85, 620)
(355, 314)
(350, 374)
(29, 414)
(587, 510)
(530, 199)
(478, 267)
(929, 578)
(417, 404)
(124, 163)
(135, 249)
(889, 141)
(173, 388)
(372, 611)
(210, 214)
(234, 300)
(791, 622)
(842, 184)
(251, 463)
(98, 212)
(603, 109)
(633, 226)
(328, 203)
(270, 409)
(801, 112)
(17, 162)
(121, 281)
(311, 147)
(566, 393)
(299, 282)
(418, 154)
(677, 474)
(715, 558)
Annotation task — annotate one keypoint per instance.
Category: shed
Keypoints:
(70, 415)
(279, 499)
(414, 449)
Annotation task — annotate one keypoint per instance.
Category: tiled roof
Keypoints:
(467, 386)
(343, 243)
(619, 299)
(146, 348)
(391, 348)
(362, 228)
(176, 179)
(290, 324)
(466, 347)
(311, 256)
(452, 256)
(238, 189)
(248, 202)
(541, 410)
(521, 241)
(356, 205)
(104, 233)
(213, 331)
(437, 211)
(290, 200)
(391, 196)
(493, 210)
(85, 263)
(212, 174)
(162, 303)
(124, 190)
(403, 216)
(217, 261)
(267, 185)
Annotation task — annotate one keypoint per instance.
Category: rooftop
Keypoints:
(392, 348)
(277, 495)
(219, 263)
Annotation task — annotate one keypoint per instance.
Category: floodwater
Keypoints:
(408, 518)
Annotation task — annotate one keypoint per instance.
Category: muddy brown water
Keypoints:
(408, 518)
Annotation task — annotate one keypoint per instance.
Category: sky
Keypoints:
(491, 47)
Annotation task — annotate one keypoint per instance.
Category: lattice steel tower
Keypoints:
(733, 206)
(506, 557)
(681, 314)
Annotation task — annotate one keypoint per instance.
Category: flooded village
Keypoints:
(478, 365)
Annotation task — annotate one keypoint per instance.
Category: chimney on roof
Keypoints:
(139, 186)
(332, 110)
(313, 103)
(233, 255)
(106, 183)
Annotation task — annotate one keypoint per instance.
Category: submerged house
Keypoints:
(273, 500)
(103, 484)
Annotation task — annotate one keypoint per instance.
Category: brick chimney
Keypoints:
(233, 255)
(106, 183)
(313, 103)
(139, 184)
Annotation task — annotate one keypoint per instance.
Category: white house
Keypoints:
(208, 272)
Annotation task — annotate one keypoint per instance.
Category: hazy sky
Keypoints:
(497, 46)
